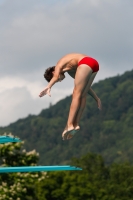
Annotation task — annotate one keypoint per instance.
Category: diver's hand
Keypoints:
(45, 91)
(99, 104)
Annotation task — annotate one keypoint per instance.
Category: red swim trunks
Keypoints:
(91, 62)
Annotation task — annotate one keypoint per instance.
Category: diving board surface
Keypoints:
(5, 139)
(38, 168)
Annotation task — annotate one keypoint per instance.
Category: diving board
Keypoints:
(38, 168)
(5, 139)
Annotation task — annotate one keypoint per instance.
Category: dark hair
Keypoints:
(48, 75)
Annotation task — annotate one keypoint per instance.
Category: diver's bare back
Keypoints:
(70, 61)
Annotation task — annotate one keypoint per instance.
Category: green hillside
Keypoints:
(109, 132)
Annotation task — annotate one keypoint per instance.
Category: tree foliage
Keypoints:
(96, 181)
(18, 186)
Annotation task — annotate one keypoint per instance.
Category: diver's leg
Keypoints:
(83, 74)
(82, 106)
(83, 101)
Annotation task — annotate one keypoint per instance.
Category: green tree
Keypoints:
(18, 186)
(95, 182)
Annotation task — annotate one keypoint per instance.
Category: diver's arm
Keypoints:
(93, 94)
(58, 70)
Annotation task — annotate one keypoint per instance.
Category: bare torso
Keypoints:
(70, 62)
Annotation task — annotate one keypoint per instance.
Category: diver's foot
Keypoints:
(72, 133)
(77, 128)
(66, 132)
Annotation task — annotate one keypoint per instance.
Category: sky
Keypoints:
(35, 34)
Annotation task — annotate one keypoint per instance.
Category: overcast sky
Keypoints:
(35, 34)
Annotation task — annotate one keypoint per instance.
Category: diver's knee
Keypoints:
(76, 94)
